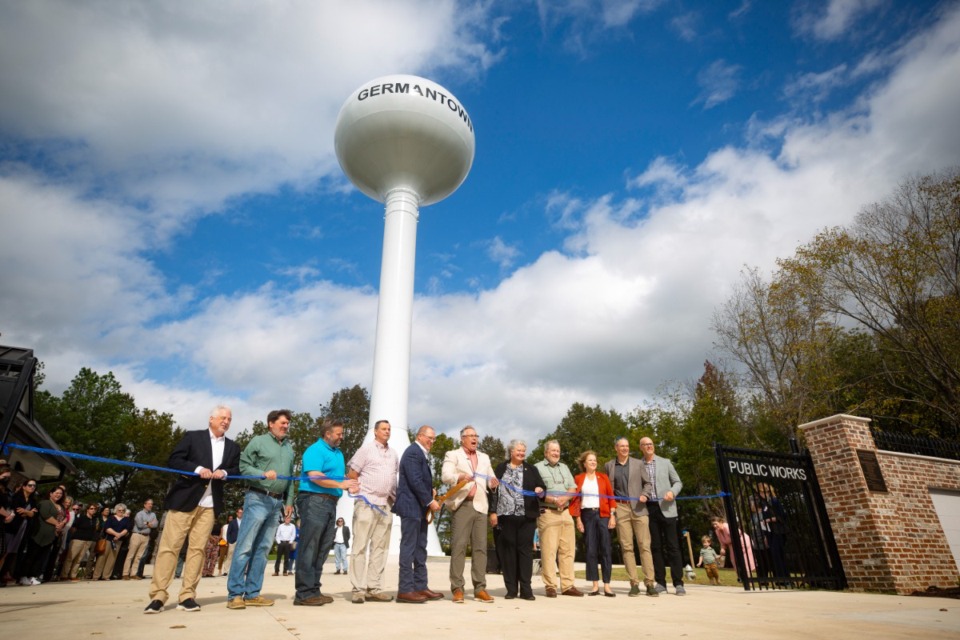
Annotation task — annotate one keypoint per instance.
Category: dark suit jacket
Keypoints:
(531, 480)
(415, 484)
(638, 485)
(193, 451)
(233, 530)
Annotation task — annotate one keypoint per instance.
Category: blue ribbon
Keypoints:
(574, 494)
(149, 467)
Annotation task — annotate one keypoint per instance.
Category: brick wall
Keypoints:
(889, 541)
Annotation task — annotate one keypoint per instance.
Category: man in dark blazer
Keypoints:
(192, 505)
(414, 497)
(632, 487)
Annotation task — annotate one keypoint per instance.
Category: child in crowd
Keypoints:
(708, 560)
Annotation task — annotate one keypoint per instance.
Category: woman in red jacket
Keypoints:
(596, 511)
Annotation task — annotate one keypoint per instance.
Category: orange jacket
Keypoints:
(607, 503)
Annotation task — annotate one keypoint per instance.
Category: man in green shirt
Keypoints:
(555, 524)
(268, 500)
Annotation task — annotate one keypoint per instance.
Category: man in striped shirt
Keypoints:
(375, 466)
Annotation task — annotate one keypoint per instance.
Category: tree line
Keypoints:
(862, 319)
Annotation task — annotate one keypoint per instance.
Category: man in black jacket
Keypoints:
(192, 504)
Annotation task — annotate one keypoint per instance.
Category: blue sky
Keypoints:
(172, 209)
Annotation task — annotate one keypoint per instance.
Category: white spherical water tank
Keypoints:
(403, 131)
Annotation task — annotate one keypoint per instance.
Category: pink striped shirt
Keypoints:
(377, 466)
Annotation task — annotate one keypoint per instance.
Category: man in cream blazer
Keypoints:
(469, 507)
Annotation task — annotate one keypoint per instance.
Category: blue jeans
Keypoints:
(261, 517)
(340, 556)
(318, 518)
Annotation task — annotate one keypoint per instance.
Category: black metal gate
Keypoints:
(779, 530)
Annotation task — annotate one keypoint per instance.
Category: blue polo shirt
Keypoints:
(329, 461)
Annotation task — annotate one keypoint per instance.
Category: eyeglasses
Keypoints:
(32, 486)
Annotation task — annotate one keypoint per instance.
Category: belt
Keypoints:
(275, 496)
(325, 496)
(142, 534)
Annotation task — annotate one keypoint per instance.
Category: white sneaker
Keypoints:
(34, 582)
(25, 581)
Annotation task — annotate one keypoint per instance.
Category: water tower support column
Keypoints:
(391, 363)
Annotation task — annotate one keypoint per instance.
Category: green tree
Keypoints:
(352, 407)
(493, 447)
(95, 417)
(585, 428)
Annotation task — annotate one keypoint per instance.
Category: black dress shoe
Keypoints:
(593, 593)
(610, 594)
(510, 596)
(528, 596)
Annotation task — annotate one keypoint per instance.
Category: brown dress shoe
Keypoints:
(458, 596)
(432, 595)
(482, 596)
(551, 592)
(412, 597)
(573, 591)
(312, 601)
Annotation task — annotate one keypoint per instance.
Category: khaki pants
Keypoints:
(630, 525)
(105, 562)
(75, 553)
(138, 542)
(370, 529)
(227, 559)
(556, 535)
(469, 528)
(196, 524)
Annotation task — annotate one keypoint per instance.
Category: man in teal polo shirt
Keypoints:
(324, 479)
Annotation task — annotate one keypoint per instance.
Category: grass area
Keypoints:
(728, 577)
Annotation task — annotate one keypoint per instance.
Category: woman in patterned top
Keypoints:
(514, 508)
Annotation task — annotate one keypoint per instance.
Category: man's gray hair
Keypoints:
(217, 409)
(469, 426)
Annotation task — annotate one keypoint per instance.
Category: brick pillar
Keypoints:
(888, 540)
(833, 444)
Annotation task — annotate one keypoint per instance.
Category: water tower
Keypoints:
(407, 142)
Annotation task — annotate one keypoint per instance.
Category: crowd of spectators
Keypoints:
(47, 536)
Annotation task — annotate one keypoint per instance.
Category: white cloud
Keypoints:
(624, 307)
(836, 18)
(202, 103)
(718, 83)
(502, 253)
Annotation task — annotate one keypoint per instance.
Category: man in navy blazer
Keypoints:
(414, 497)
(192, 505)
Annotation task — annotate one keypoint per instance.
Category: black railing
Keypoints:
(918, 445)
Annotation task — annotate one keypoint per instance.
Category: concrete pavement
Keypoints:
(114, 610)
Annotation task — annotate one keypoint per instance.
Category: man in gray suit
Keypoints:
(664, 543)
(633, 489)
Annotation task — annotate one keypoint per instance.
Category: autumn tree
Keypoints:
(895, 273)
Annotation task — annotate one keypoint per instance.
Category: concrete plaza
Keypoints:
(114, 610)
